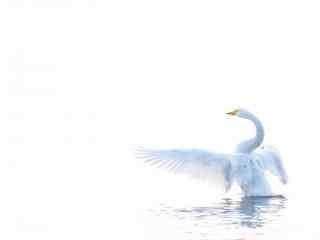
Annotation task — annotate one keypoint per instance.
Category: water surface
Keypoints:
(227, 219)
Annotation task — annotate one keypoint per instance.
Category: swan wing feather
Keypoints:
(269, 159)
(201, 164)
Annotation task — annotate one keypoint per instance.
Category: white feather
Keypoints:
(270, 160)
(201, 164)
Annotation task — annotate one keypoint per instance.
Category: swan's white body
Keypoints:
(246, 166)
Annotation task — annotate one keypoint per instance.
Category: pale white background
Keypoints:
(82, 81)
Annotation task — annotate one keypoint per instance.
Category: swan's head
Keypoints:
(240, 113)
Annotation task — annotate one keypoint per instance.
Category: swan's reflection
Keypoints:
(252, 212)
(229, 216)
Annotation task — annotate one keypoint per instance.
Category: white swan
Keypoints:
(246, 166)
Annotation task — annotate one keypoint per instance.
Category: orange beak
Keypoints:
(233, 113)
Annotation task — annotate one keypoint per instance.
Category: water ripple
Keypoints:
(228, 218)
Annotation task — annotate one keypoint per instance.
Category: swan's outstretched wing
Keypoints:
(213, 167)
(269, 159)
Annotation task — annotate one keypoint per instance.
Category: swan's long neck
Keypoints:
(251, 144)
